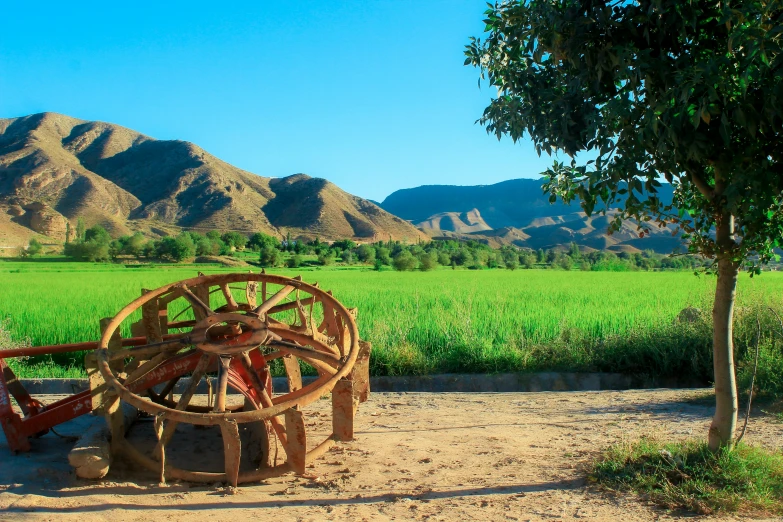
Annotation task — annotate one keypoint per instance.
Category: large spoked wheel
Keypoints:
(255, 319)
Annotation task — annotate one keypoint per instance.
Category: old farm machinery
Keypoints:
(227, 334)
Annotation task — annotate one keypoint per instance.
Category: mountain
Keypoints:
(517, 212)
(463, 222)
(54, 169)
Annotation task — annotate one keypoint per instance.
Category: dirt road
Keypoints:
(417, 456)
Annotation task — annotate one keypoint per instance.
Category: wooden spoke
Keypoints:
(290, 306)
(266, 400)
(148, 366)
(306, 353)
(231, 304)
(145, 350)
(165, 391)
(222, 385)
(272, 301)
(195, 302)
(271, 356)
(255, 381)
(182, 403)
(182, 324)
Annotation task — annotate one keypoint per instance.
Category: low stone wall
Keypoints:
(468, 383)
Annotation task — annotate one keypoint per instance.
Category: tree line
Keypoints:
(95, 245)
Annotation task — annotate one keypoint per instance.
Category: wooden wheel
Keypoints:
(234, 340)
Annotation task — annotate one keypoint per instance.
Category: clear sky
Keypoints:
(371, 95)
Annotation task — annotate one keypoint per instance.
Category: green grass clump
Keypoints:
(687, 475)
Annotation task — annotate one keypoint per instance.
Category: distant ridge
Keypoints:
(517, 212)
(54, 169)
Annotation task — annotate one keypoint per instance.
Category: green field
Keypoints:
(440, 321)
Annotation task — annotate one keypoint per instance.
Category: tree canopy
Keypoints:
(653, 90)
(687, 92)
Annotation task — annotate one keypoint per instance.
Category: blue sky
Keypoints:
(371, 95)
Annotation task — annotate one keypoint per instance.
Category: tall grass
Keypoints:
(446, 320)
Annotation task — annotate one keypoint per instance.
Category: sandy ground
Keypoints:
(417, 456)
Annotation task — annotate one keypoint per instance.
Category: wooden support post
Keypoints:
(360, 374)
(232, 449)
(111, 401)
(154, 328)
(343, 410)
(296, 443)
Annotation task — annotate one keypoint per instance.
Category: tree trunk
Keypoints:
(725, 420)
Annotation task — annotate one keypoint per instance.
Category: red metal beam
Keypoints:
(74, 347)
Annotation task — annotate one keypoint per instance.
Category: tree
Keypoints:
(565, 262)
(176, 248)
(34, 248)
(366, 254)
(428, 260)
(270, 257)
(80, 227)
(135, 245)
(234, 240)
(404, 260)
(689, 92)
(259, 240)
(326, 257)
(344, 244)
(383, 255)
(97, 234)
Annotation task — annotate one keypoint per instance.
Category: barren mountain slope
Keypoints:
(462, 222)
(517, 212)
(55, 168)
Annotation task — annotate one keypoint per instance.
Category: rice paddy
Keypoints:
(431, 322)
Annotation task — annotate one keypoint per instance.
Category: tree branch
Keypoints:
(702, 186)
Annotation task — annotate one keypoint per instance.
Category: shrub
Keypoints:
(34, 248)
(294, 261)
(404, 261)
(326, 257)
(428, 261)
(565, 262)
(91, 251)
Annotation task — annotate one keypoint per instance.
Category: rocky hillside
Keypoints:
(517, 212)
(54, 169)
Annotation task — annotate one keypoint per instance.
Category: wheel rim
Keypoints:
(238, 339)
